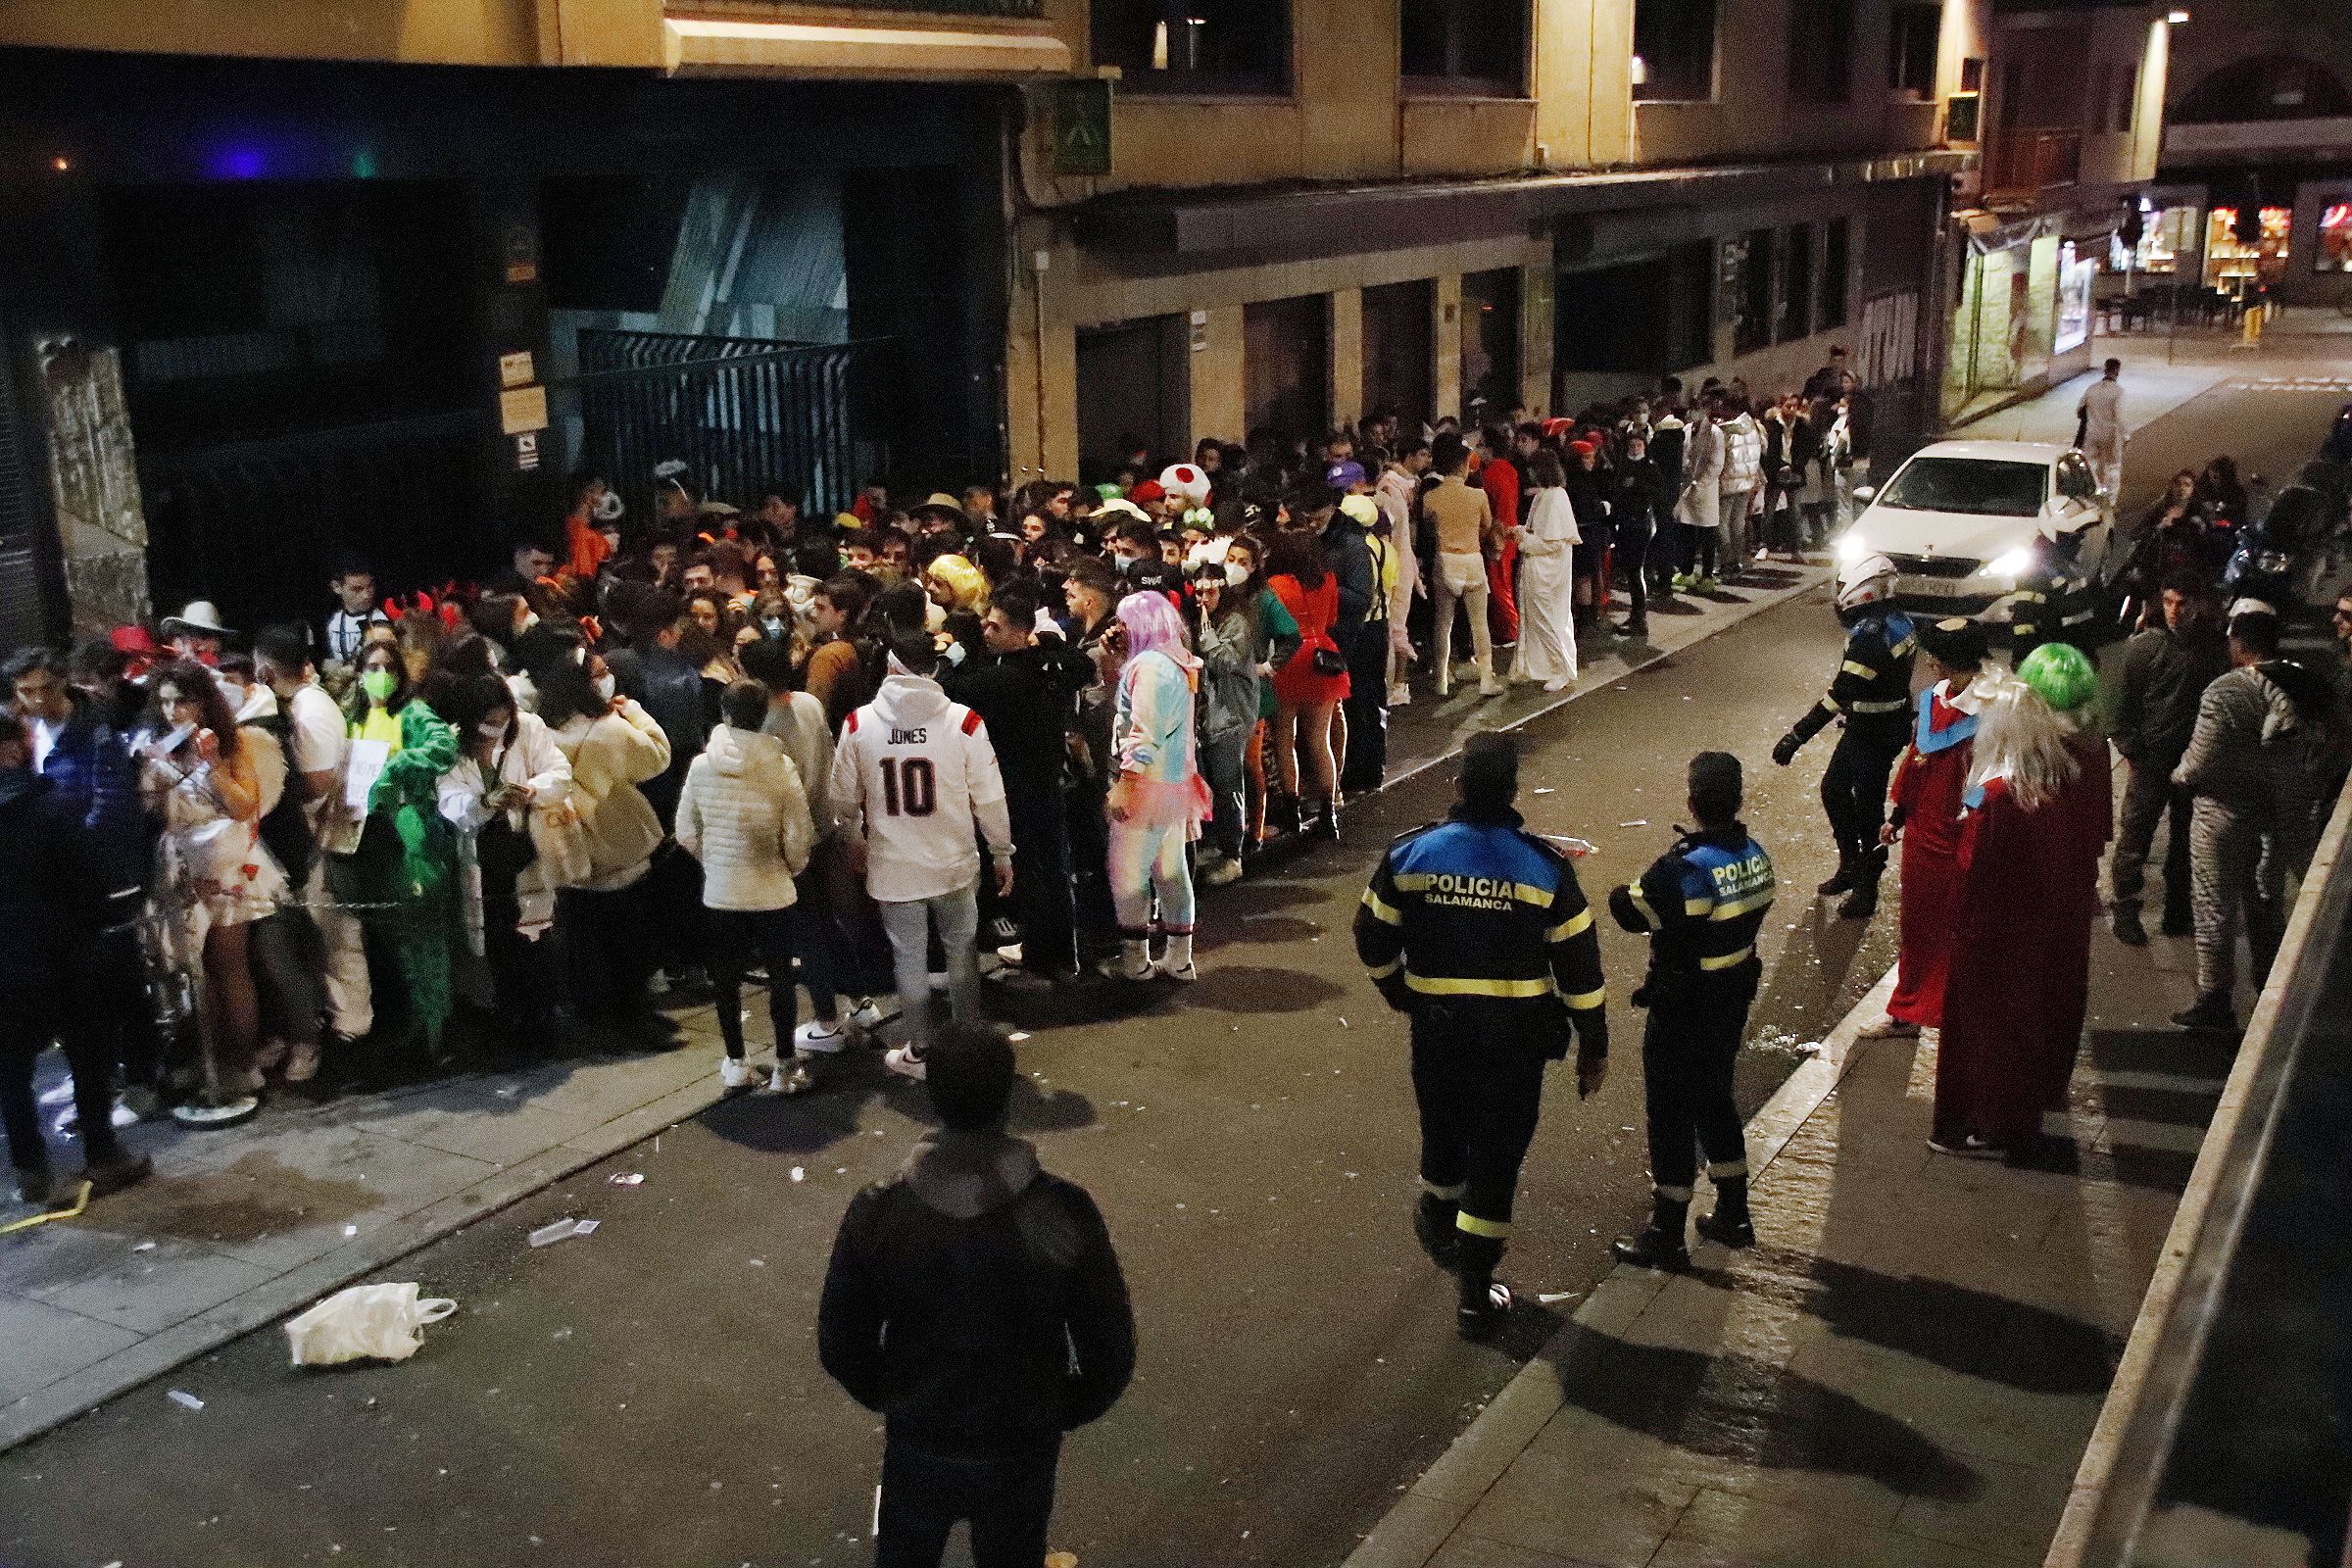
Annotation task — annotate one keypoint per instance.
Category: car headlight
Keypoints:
(2016, 563)
(1851, 546)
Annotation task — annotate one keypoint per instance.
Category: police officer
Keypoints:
(1477, 929)
(2056, 601)
(1700, 903)
(1871, 694)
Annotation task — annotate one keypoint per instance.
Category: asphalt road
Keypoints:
(650, 1395)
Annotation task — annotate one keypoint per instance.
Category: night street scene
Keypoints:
(1244, 784)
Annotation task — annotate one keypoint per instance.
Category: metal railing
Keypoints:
(743, 414)
(2159, 1426)
(256, 526)
(2022, 162)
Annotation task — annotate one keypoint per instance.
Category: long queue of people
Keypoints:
(726, 742)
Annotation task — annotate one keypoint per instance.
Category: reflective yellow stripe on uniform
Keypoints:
(1897, 706)
(1580, 922)
(1381, 909)
(1435, 986)
(1641, 904)
(1832, 703)
(1423, 881)
(1729, 960)
(1483, 1227)
(1738, 908)
(1383, 971)
(1697, 906)
(1587, 1001)
(1863, 671)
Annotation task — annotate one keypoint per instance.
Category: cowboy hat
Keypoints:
(200, 616)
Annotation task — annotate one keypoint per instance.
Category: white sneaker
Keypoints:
(818, 1036)
(1186, 971)
(734, 1072)
(791, 1078)
(906, 1061)
(867, 1016)
(57, 1095)
(939, 982)
(1225, 871)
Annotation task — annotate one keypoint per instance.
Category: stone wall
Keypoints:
(94, 485)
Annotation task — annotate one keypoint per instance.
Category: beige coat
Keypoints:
(610, 756)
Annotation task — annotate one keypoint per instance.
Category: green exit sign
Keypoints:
(1082, 128)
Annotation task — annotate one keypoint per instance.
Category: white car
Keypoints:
(1959, 519)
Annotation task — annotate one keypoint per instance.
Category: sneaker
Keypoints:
(821, 1037)
(734, 1072)
(302, 1062)
(1973, 1146)
(1438, 1234)
(939, 982)
(1003, 932)
(1187, 971)
(1224, 873)
(1652, 1248)
(2210, 1013)
(61, 1094)
(906, 1061)
(1861, 903)
(1704, 585)
(215, 1108)
(2128, 929)
(1727, 1230)
(1133, 962)
(791, 1078)
(1480, 1321)
(1681, 583)
(867, 1016)
(122, 1115)
(1890, 1027)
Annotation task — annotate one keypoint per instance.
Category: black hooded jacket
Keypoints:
(975, 1301)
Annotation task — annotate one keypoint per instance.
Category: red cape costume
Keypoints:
(1928, 779)
(2020, 977)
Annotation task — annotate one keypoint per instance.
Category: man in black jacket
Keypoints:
(2154, 687)
(976, 1303)
(1027, 695)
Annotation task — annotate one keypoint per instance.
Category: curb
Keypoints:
(89, 1386)
(1416, 1528)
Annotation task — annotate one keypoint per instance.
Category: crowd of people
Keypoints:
(729, 741)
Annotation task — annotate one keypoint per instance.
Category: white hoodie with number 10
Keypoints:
(915, 773)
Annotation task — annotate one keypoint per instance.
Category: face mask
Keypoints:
(605, 685)
(490, 732)
(1236, 574)
(1123, 564)
(530, 619)
(379, 684)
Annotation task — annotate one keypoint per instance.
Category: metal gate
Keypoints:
(746, 415)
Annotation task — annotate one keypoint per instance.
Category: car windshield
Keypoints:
(1970, 485)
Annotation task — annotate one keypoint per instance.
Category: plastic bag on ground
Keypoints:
(364, 1322)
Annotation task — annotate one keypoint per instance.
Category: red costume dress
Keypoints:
(1928, 779)
(2021, 957)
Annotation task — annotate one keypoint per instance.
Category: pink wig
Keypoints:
(1152, 625)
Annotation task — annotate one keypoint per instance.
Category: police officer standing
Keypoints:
(1477, 929)
(1700, 903)
(1871, 693)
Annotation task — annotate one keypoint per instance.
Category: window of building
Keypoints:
(1912, 34)
(2336, 239)
(1194, 46)
(2233, 265)
(1821, 51)
(1475, 47)
(1834, 239)
(1489, 326)
(1792, 310)
(1674, 50)
(1751, 325)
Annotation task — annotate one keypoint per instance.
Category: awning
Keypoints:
(703, 47)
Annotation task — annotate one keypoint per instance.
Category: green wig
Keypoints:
(2063, 674)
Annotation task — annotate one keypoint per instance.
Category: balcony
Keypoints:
(969, 40)
(1020, 10)
(2025, 163)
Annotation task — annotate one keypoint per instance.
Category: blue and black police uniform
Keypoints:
(1477, 929)
(1870, 695)
(2056, 602)
(1701, 905)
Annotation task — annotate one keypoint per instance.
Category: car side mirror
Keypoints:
(1866, 491)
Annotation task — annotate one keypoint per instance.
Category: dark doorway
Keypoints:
(1396, 359)
(1132, 388)
(1490, 339)
(1286, 364)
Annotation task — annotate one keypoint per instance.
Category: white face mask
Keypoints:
(490, 732)
(605, 685)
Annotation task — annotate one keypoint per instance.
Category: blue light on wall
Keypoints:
(239, 162)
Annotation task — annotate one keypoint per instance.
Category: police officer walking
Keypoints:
(1871, 694)
(1477, 930)
(2056, 600)
(1700, 903)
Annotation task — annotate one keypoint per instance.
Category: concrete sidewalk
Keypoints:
(241, 1227)
(1905, 1369)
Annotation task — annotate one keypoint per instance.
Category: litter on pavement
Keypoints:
(564, 1230)
(186, 1401)
(633, 1178)
(365, 1322)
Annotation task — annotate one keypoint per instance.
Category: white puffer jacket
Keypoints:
(745, 816)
